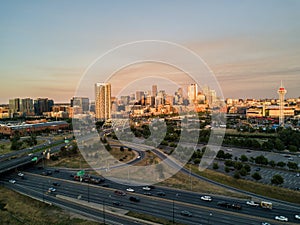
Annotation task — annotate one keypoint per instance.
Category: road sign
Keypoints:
(34, 159)
(80, 173)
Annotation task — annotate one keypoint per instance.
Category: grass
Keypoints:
(5, 146)
(251, 186)
(152, 218)
(16, 209)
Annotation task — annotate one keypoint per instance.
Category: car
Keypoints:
(130, 189)
(252, 203)
(12, 181)
(229, 150)
(20, 174)
(105, 185)
(56, 171)
(134, 199)
(117, 203)
(281, 218)
(186, 213)
(51, 189)
(148, 193)
(146, 188)
(138, 157)
(223, 204)
(161, 193)
(56, 184)
(236, 206)
(265, 223)
(119, 192)
(257, 169)
(298, 175)
(206, 198)
(297, 217)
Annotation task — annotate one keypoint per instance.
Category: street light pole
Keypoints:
(88, 192)
(173, 213)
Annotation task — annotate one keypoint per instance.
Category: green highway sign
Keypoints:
(34, 159)
(80, 173)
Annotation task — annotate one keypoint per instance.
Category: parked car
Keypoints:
(206, 198)
(186, 213)
(281, 218)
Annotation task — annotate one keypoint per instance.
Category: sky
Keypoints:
(46, 47)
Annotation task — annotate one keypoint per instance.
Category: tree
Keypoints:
(279, 144)
(237, 175)
(243, 172)
(261, 160)
(281, 164)
(121, 149)
(272, 163)
(197, 160)
(215, 166)
(238, 165)
(221, 154)
(277, 179)
(256, 176)
(228, 163)
(247, 168)
(292, 165)
(226, 169)
(244, 158)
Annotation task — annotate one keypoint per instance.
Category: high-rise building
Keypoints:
(139, 95)
(26, 106)
(281, 92)
(192, 93)
(154, 90)
(42, 105)
(14, 105)
(82, 102)
(103, 101)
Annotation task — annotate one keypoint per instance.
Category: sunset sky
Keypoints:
(45, 46)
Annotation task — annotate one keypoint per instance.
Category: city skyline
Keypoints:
(250, 46)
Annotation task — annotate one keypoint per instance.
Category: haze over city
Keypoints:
(250, 45)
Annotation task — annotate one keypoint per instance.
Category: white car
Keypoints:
(130, 190)
(297, 217)
(252, 203)
(51, 189)
(146, 188)
(265, 223)
(12, 181)
(281, 218)
(20, 174)
(206, 198)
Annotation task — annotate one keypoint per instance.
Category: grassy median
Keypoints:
(16, 209)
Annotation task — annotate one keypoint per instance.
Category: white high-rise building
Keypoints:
(192, 93)
(103, 101)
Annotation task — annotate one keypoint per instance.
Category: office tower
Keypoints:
(154, 90)
(26, 106)
(281, 92)
(103, 101)
(14, 105)
(82, 102)
(139, 95)
(42, 105)
(192, 93)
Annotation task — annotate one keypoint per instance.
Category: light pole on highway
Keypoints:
(103, 211)
(210, 214)
(88, 192)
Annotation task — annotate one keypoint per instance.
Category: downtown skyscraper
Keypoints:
(103, 101)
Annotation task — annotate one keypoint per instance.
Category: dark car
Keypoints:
(56, 184)
(134, 199)
(186, 213)
(236, 206)
(224, 204)
(117, 203)
(161, 193)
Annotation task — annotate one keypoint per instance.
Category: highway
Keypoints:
(203, 212)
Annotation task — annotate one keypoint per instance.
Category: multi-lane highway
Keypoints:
(166, 206)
